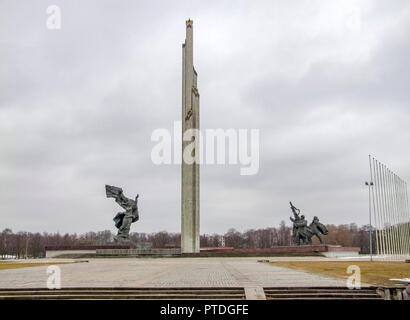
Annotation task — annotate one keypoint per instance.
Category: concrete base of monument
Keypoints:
(122, 251)
(138, 252)
(108, 251)
(330, 251)
(78, 251)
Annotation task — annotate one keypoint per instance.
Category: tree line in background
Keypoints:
(26, 244)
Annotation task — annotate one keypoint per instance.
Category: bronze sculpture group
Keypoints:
(302, 233)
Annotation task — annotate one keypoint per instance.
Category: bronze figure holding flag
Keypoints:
(124, 219)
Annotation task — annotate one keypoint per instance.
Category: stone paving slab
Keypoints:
(168, 272)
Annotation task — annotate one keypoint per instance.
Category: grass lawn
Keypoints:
(4, 265)
(376, 272)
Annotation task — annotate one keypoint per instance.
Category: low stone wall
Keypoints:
(126, 251)
(163, 252)
(57, 251)
(339, 254)
(331, 250)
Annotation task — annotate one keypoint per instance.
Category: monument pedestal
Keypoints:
(109, 251)
(119, 251)
(138, 252)
(330, 251)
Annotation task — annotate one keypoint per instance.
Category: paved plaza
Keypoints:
(167, 272)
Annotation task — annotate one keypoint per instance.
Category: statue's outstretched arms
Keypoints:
(296, 215)
(295, 210)
(124, 202)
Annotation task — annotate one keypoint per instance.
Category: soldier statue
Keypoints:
(318, 229)
(302, 233)
(295, 221)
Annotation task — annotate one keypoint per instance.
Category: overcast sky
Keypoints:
(326, 82)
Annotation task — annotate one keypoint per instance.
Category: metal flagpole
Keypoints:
(405, 222)
(396, 234)
(393, 229)
(402, 243)
(402, 217)
(379, 222)
(388, 231)
(406, 241)
(389, 212)
(382, 222)
(378, 228)
(400, 192)
(406, 234)
(376, 209)
(370, 184)
(398, 216)
(395, 212)
(398, 211)
(383, 213)
(407, 217)
(392, 213)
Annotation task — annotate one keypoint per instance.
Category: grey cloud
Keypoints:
(78, 106)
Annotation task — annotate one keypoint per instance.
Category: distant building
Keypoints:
(222, 241)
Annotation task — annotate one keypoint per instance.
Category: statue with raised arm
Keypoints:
(302, 232)
(295, 220)
(124, 219)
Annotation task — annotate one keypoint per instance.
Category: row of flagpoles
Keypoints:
(389, 205)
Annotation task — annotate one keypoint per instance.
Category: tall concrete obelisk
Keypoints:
(190, 171)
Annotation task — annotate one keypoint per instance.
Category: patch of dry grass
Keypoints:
(376, 272)
(4, 265)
